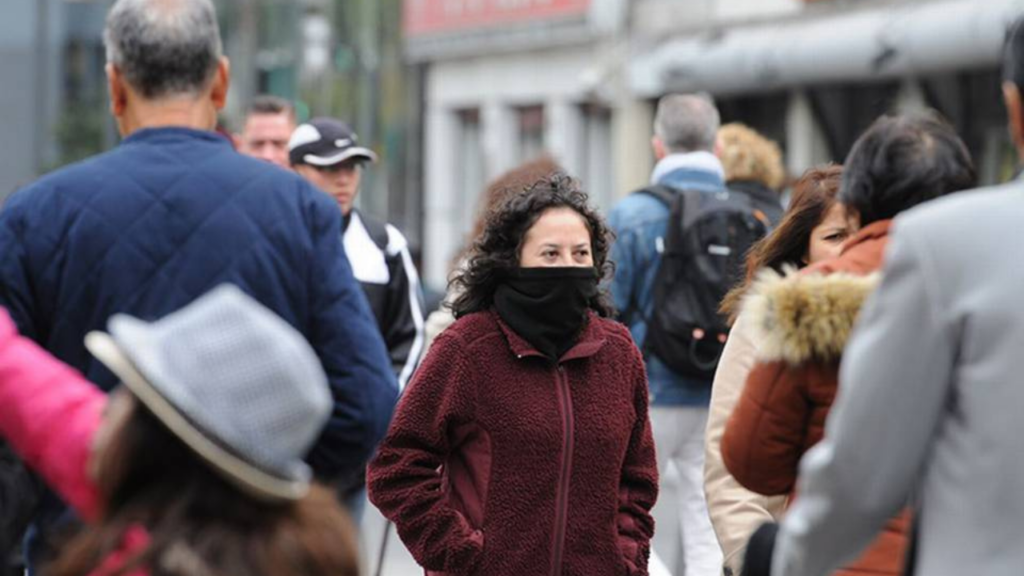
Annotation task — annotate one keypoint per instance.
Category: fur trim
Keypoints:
(801, 317)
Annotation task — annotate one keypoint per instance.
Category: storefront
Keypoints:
(814, 79)
(506, 79)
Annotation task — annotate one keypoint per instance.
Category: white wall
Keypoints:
(729, 10)
(658, 17)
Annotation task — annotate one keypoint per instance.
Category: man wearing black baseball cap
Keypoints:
(326, 152)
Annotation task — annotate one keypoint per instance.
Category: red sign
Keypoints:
(439, 16)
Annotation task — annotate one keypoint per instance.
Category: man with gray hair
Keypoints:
(174, 211)
(685, 130)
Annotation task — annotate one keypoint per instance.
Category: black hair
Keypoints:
(902, 161)
(496, 251)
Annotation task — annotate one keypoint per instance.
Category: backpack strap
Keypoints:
(690, 208)
(664, 194)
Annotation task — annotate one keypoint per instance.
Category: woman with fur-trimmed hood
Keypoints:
(804, 319)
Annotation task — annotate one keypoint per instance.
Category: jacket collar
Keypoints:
(172, 134)
(704, 164)
(809, 315)
(346, 219)
(590, 342)
(873, 231)
(798, 317)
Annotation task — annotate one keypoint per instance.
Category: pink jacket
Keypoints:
(49, 414)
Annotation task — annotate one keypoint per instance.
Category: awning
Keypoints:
(851, 45)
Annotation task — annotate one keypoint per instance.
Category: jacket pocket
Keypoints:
(466, 474)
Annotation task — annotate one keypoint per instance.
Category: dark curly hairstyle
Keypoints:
(496, 251)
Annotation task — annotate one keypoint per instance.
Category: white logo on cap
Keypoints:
(305, 134)
(342, 142)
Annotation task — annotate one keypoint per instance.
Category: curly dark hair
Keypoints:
(496, 251)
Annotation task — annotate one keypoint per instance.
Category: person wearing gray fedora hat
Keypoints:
(195, 464)
(170, 212)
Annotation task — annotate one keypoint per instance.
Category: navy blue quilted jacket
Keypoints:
(166, 216)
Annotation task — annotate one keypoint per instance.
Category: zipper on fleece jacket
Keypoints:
(562, 497)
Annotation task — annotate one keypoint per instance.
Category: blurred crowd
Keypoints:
(212, 361)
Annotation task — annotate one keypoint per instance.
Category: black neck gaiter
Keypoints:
(547, 306)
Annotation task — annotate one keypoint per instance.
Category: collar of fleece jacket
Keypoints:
(590, 340)
(808, 315)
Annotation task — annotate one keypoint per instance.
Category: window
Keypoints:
(972, 102)
(531, 133)
(844, 111)
(595, 149)
(469, 166)
(765, 113)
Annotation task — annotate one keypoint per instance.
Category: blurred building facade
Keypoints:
(505, 80)
(52, 58)
(451, 93)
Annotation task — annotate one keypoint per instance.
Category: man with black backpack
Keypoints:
(680, 247)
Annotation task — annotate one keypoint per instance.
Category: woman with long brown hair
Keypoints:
(193, 467)
(812, 229)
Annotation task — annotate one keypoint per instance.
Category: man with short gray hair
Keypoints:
(685, 130)
(174, 211)
(685, 123)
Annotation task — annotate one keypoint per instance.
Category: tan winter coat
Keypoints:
(735, 511)
(804, 321)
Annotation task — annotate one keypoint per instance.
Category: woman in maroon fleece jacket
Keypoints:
(522, 446)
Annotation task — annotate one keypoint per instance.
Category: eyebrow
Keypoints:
(555, 245)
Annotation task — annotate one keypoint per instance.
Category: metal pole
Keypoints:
(42, 96)
(245, 72)
(327, 81)
(383, 548)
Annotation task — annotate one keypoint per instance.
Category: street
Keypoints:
(397, 561)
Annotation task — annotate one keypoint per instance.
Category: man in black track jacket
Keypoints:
(326, 152)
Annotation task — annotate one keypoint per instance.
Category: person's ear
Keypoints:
(659, 147)
(221, 83)
(1014, 114)
(118, 91)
